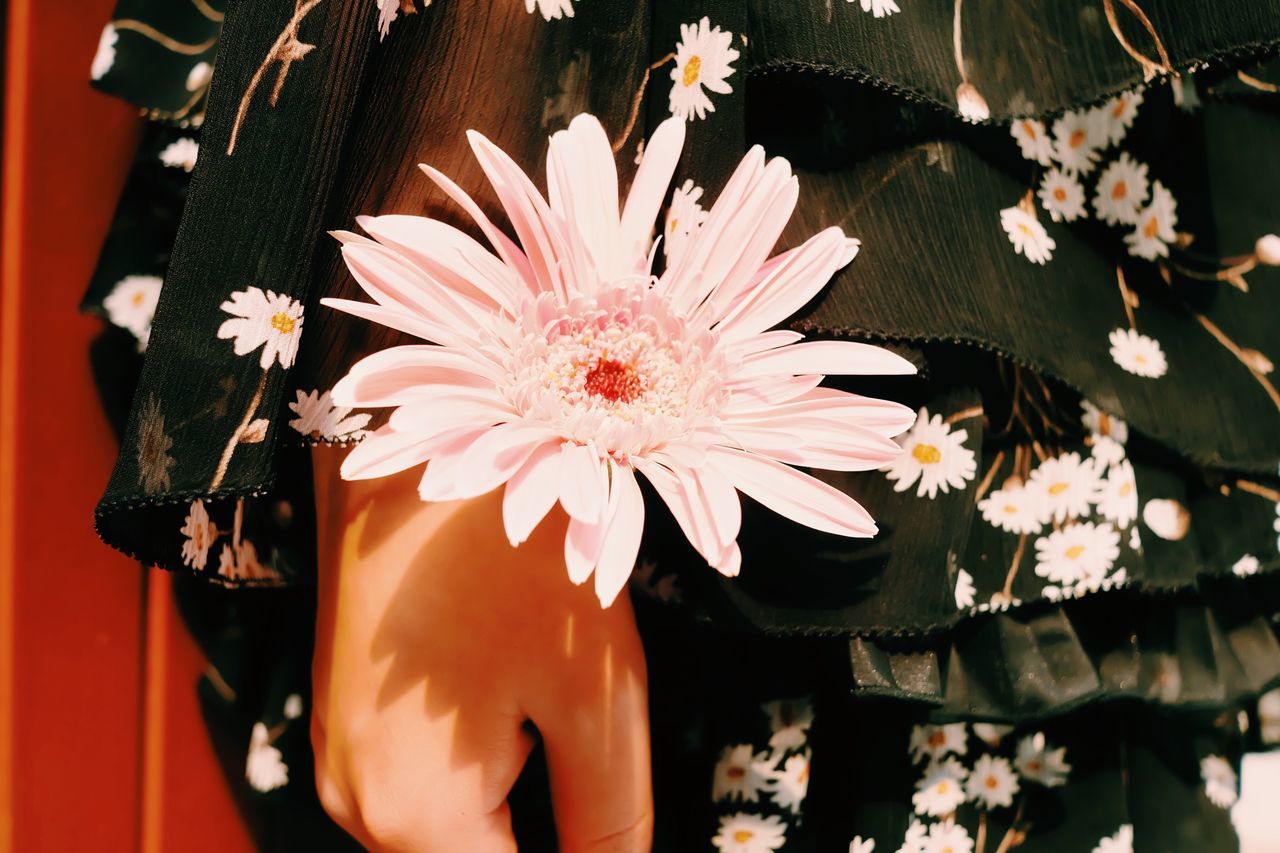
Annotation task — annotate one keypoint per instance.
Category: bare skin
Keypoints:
(436, 644)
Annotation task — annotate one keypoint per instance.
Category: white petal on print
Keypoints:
(319, 418)
(941, 789)
(934, 454)
(1245, 566)
(858, 845)
(254, 432)
(263, 319)
(703, 63)
(1117, 114)
(740, 775)
(199, 76)
(199, 534)
(1154, 229)
(1221, 785)
(264, 768)
(879, 9)
(970, 103)
(181, 154)
(105, 56)
(1027, 235)
(1122, 191)
(550, 9)
(1078, 137)
(1062, 196)
(992, 782)
(750, 833)
(1033, 140)
(1038, 761)
(964, 590)
(1120, 842)
(789, 784)
(132, 304)
(1138, 354)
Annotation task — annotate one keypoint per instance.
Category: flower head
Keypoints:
(789, 784)
(1118, 494)
(105, 56)
(1137, 353)
(1033, 140)
(1153, 230)
(264, 767)
(941, 788)
(199, 533)
(317, 417)
(1027, 235)
(684, 216)
(878, 8)
(181, 154)
(1039, 762)
(1062, 196)
(789, 722)
(703, 64)
(132, 304)
(1116, 116)
(947, 836)
(965, 590)
(1078, 137)
(749, 833)
(1081, 553)
(934, 454)
(740, 774)
(1120, 842)
(563, 367)
(1014, 508)
(550, 9)
(992, 782)
(263, 319)
(1064, 486)
(1122, 190)
(932, 742)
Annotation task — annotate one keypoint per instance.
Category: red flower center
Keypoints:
(614, 381)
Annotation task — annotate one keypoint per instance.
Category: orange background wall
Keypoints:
(101, 743)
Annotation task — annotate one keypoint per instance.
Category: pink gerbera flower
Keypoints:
(562, 367)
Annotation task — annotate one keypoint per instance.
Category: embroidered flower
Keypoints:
(933, 453)
(789, 722)
(970, 103)
(263, 319)
(1065, 486)
(317, 417)
(1081, 553)
(1118, 495)
(1033, 140)
(964, 590)
(749, 833)
(550, 9)
(1077, 139)
(1153, 232)
(1038, 762)
(878, 8)
(789, 785)
(948, 837)
(1099, 423)
(703, 58)
(181, 154)
(1014, 508)
(1027, 235)
(1220, 783)
(941, 789)
(684, 217)
(1121, 192)
(1167, 518)
(1062, 196)
(264, 768)
(1138, 354)
(154, 443)
(566, 371)
(992, 782)
(740, 774)
(1121, 842)
(1116, 116)
(933, 742)
(200, 534)
(105, 56)
(132, 305)
(1245, 566)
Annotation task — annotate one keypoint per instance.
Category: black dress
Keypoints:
(1067, 216)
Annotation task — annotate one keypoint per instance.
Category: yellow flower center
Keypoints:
(742, 836)
(942, 786)
(137, 299)
(736, 772)
(926, 454)
(282, 323)
(1060, 194)
(1059, 488)
(938, 738)
(1149, 230)
(691, 70)
(1119, 191)
(1010, 509)
(1029, 129)
(1126, 490)
(992, 783)
(1025, 229)
(1074, 552)
(1076, 139)
(1118, 109)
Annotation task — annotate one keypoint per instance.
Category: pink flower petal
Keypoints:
(397, 375)
(649, 188)
(486, 463)
(399, 319)
(449, 407)
(731, 562)
(394, 282)
(582, 545)
(840, 358)
(386, 452)
(883, 416)
(531, 493)
(439, 479)
(582, 188)
(584, 488)
(704, 504)
(622, 541)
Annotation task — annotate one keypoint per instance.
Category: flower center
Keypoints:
(614, 381)
(691, 70)
(1029, 129)
(1074, 552)
(942, 786)
(1126, 489)
(736, 772)
(137, 299)
(992, 783)
(282, 322)
(1010, 509)
(1059, 488)
(1118, 109)
(926, 454)
(1119, 191)
(938, 738)
(1149, 230)
(1025, 229)
(1060, 194)
(742, 836)
(1076, 139)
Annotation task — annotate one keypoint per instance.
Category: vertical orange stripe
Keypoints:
(15, 128)
(155, 688)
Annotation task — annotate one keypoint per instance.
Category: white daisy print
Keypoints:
(941, 789)
(200, 534)
(991, 733)
(1027, 235)
(1154, 230)
(858, 845)
(240, 562)
(1135, 539)
(550, 9)
(1039, 762)
(1121, 842)
(992, 782)
(1118, 495)
(1081, 553)
(1167, 518)
(263, 319)
(132, 305)
(1220, 783)
(740, 774)
(1099, 423)
(948, 837)
(264, 768)
(181, 154)
(1014, 508)
(105, 56)
(964, 590)
(1062, 196)
(703, 58)
(317, 417)
(1245, 566)
(1106, 451)
(789, 785)
(1066, 486)
(1122, 191)
(749, 833)
(914, 839)
(1077, 140)
(936, 741)
(789, 720)
(1033, 140)
(934, 454)
(1137, 353)
(199, 76)
(878, 8)
(1116, 116)
(684, 217)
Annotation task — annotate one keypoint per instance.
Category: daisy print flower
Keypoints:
(263, 319)
(264, 768)
(1014, 508)
(703, 64)
(1245, 566)
(317, 417)
(200, 534)
(860, 845)
(934, 455)
(1038, 761)
(1122, 191)
(740, 774)
(1076, 141)
(1082, 553)
(878, 8)
(1116, 116)
(1137, 353)
(749, 833)
(992, 782)
(947, 837)
(132, 305)
(937, 741)
(1121, 842)
(684, 216)
(1100, 423)
(941, 789)
(1221, 785)
(1065, 485)
(1033, 140)
(564, 369)
(965, 590)
(1062, 196)
(789, 722)
(1118, 495)
(1105, 451)
(550, 9)
(991, 733)
(789, 785)
(181, 154)
(1027, 235)
(105, 56)
(1154, 230)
